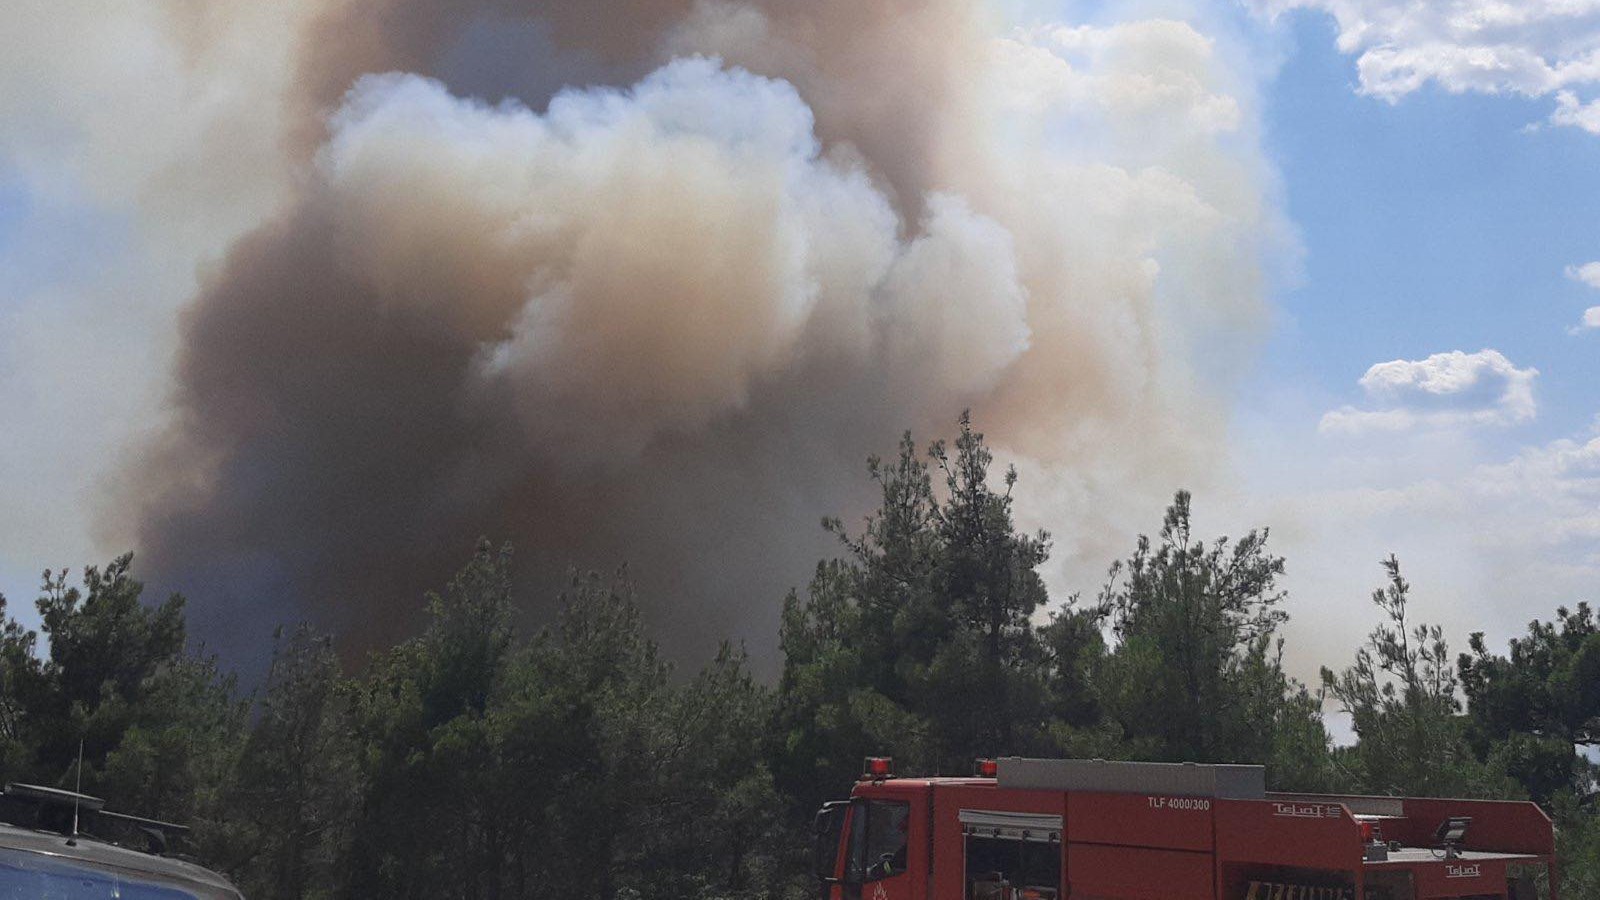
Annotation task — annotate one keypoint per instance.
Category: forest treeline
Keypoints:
(474, 761)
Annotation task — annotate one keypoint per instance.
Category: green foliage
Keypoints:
(1401, 697)
(1197, 672)
(428, 823)
(1532, 708)
(921, 642)
(157, 726)
(296, 783)
(570, 765)
(472, 761)
(21, 692)
(182, 741)
(107, 651)
(1074, 656)
(1577, 846)
(1530, 712)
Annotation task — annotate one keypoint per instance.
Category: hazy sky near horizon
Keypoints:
(1423, 377)
(1431, 386)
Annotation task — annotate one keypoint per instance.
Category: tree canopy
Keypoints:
(480, 760)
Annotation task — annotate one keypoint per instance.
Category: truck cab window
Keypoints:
(887, 827)
(879, 833)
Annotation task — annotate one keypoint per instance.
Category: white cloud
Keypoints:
(1535, 48)
(1564, 473)
(1154, 68)
(1574, 112)
(1541, 507)
(1445, 390)
(1589, 322)
(1588, 273)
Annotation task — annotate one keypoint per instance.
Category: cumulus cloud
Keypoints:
(1536, 48)
(1444, 390)
(1563, 476)
(1588, 273)
(1541, 497)
(1099, 68)
(1574, 112)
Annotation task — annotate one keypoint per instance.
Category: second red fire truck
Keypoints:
(1052, 829)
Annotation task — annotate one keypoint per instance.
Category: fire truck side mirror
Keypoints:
(824, 819)
(829, 828)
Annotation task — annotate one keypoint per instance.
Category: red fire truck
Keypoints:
(1051, 829)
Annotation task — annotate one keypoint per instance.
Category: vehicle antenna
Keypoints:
(77, 797)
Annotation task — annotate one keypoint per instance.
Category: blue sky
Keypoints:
(1415, 380)
(1430, 222)
(1438, 222)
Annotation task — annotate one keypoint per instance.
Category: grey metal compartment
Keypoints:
(1106, 776)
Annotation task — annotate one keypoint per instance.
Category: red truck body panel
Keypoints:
(987, 839)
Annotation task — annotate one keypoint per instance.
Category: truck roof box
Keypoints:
(1106, 776)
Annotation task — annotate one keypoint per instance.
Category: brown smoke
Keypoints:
(351, 38)
(664, 321)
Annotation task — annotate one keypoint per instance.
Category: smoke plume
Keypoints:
(647, 281)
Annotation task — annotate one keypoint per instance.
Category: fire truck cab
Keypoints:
(1051, 829)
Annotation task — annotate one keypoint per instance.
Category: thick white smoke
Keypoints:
(634, 262)
(663, 320)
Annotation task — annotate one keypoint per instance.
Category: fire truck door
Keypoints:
(879, 843)
(874, 837)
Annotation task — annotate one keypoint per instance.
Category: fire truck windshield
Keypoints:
(877, 840)
(873, 835)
